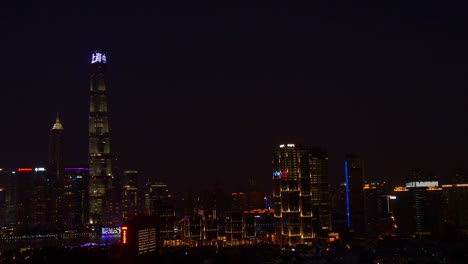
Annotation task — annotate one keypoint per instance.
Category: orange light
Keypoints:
(124, 235)
(25, 169)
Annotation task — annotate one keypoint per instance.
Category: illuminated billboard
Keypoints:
(110, 231)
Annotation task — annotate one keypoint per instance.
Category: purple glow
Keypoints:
(76, 169)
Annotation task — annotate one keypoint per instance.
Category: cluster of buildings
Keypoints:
(301, 208)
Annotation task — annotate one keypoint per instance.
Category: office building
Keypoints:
(100, 167)
(7, 199)
(55, 181)
(419, 209)
(131, 197)
(354, 178)
(75, 198)
(456, 206)
(300, 194)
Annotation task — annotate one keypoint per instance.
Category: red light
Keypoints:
(25, 169)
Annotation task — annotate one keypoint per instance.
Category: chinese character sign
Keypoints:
(98, 57)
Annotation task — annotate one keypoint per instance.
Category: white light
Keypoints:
(291, 145)
(39, 169)
(422, 184)
(392, 197)
(98, 57)
(282, 146)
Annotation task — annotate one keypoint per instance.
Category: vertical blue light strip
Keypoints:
(348, 213)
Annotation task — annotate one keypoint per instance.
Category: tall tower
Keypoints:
(301, 193)
(54, 186)
(354, 177)
(100, 168)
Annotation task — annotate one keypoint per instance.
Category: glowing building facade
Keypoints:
(100, 168)
(301, 194)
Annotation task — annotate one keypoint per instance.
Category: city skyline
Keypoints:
(211, 91)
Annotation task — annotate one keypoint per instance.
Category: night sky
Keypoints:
(200, 92)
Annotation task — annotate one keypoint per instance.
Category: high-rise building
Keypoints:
(55, 182)
(354, 178)
(372, 208)
(100, 168)
(75, 199)
(419, 209)
(456, 203)
(130, 199)
(7, 198)
(301, 193)
(30, 198)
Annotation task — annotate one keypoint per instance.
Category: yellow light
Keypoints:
(124, 235)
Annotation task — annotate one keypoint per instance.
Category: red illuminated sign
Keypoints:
(25, 169)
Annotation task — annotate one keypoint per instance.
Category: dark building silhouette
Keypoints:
(372, 208)
(7, 199)
(55, 181)
(339, 210)
(130, 194)
(420, 209)
(456, 203)
(100, 167)
(75, 198)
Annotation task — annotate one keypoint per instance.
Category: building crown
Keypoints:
(57, 125)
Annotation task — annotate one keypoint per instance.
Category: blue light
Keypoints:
(276, 174)
(348, 213)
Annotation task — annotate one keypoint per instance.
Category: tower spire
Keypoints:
(57, 125)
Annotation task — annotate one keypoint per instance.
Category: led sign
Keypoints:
(109, 231)
(124, 235)
(422, 184)
(25, 169)
(98, 57)
(277, 174)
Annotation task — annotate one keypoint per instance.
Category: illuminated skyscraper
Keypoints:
(354, 177)
(301, 193)
(100, 168)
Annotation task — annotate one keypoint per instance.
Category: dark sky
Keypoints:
(200, 92)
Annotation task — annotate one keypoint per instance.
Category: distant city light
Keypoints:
(76, 169)
(39, 169)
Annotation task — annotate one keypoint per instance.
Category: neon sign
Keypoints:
(124, 235)
(25, 169)
(109, 231)
(98, 57)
